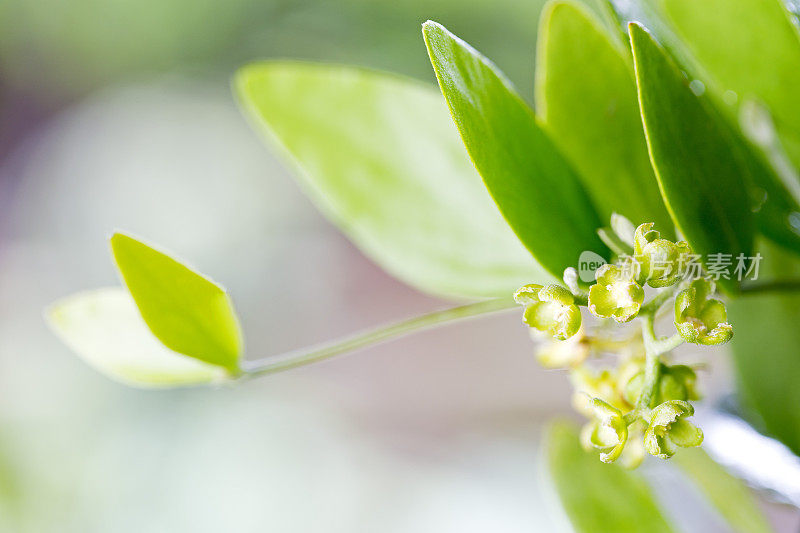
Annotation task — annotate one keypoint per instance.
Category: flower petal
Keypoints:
(684, 433)
(719, 335)
(556, 294)
(527, 294)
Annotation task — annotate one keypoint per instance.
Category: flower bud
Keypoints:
(615, 295)
(700, 319)
(687, 377)
(676, 382)
(660, 260)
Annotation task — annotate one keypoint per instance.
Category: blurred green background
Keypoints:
(118, 114)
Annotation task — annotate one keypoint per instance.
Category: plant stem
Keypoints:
(306, 356)
(659, 300)
(667, 344)
(654, 348)
(775, 285)
(652, 368)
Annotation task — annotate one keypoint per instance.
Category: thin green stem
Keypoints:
(306, 356)
(775, 285)
(654, 348)
(652, 365)
(667, 344)
(659, 300)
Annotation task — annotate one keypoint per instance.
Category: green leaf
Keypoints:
(586, 100)
(598, 497)
(380, 157)
(188, 312)
(535, 188)
(701, 173)
(610, 19)
(713, 26)
(748, 47)
(728, 494)
(105, 329)
(765, 350)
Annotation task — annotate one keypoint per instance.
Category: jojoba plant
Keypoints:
(676, 120)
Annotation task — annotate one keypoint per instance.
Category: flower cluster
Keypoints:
(641, 403)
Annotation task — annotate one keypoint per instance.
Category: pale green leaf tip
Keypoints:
(61, 320)
(119, 241)
(431, 29)
(637, 33)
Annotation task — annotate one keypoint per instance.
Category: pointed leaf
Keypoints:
(749, 49)
(729, 495)
(586, 100)
(727, 42)
(721, 44)
(189, 313)
(380, 157)
(702, 178)
(535, 188)
(598, 497)
(105, 329)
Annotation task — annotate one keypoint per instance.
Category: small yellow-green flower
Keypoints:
(616, 294)
(550, 309)
(669, 428)
(659, 259)
(700, 319)
(607, 433)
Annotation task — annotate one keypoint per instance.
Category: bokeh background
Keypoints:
(118, 114)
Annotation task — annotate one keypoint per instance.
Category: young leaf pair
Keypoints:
(141, 335)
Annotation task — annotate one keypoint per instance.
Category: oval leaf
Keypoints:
(380, 157)
(703, 182)
(586, 100)
(105, 329)
(186, 311)
(535, 188)
(598, 497)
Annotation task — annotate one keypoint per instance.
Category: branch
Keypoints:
(306, 356)
(775, 285)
